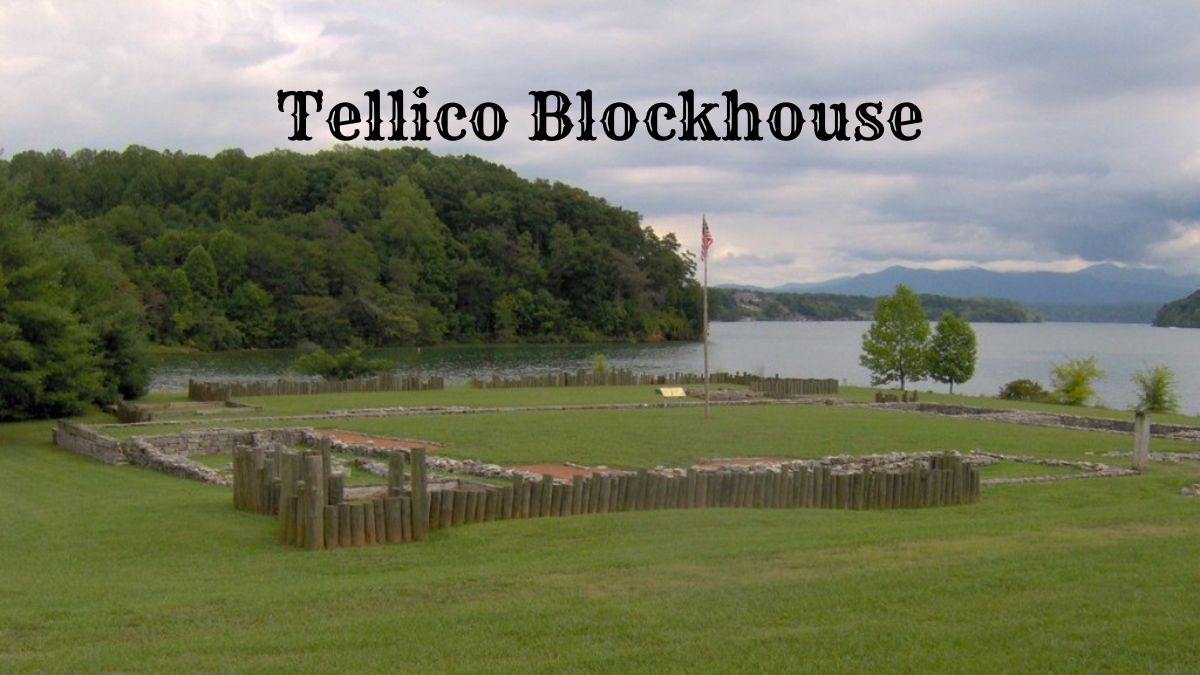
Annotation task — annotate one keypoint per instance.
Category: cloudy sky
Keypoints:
(1055, 134)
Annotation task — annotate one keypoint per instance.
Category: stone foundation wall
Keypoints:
(81, 440)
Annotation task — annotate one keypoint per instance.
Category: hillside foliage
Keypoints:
(1182, 313)
(359, 247)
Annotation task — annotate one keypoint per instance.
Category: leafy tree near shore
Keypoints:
(346, 365)
(894, 346)
(1073, 380)
(1156, 389)
(952, 351)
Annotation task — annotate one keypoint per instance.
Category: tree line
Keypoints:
(735, 304)
(346, 247)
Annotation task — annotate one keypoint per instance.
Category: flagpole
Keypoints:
(705, 336)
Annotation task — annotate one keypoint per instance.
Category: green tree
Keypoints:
(893, 348)
(1156, 389)
(201, 273)
(251, 311)
(48, 363)
(952, 351)
(1074, 379)
(346, 365)
(106, 302)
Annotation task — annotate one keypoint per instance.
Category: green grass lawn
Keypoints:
(679, 436)
(533, 396)
(121, 569)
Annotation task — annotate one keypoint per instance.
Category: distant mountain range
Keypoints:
(1098, 293)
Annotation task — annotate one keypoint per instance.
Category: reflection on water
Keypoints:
(798, 349)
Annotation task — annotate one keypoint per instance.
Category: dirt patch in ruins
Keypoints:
(378, 441)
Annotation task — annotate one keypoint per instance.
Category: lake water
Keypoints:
(792, 349)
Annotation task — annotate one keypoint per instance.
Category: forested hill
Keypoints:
(733, 304)
(375, 247)
(1182, 313)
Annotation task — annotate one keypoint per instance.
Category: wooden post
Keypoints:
(520, 507)
(1141, 441)
(605, 492)
(335, 488)
(392, 514)
(576, 495)
(326, 457)
(449, 500)
(406, 510)
(546, 495)
(314, 503)
(381, 533)
(434, 514)
(332, 536)
(287, 486)
(480, 507)
(395, 474)
(258, 460)
(345, 534)
(506, 502)
(358, 524)
(469, 507)
(370, 535)
(420, 495)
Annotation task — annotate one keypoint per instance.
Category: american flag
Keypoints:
(706, 238)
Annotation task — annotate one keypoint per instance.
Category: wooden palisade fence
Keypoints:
(790, 386)
(772, 386)
(307, 498)
(223, 391)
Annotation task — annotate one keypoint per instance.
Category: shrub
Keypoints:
(599, 363)
(1156, 389)
(1024, 390)
(1073, 380)
(347, 365)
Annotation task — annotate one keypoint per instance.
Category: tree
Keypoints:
(48, 363)
(952, 351)
(1073, 379)
(201, 272)
(347, 365)
(1156, 389)
(894, 346)
(251, 311)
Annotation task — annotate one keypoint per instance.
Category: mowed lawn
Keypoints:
(675, 436)
(120, 569)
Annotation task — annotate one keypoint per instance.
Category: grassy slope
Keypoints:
(115, 568)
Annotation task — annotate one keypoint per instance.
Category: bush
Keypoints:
(347, 365)
(1025, 390)
(1073, 380)
(1156, 390)
(599, 363)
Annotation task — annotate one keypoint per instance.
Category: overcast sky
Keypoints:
(1055, 135)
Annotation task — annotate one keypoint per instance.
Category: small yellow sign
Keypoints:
(672, 392)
